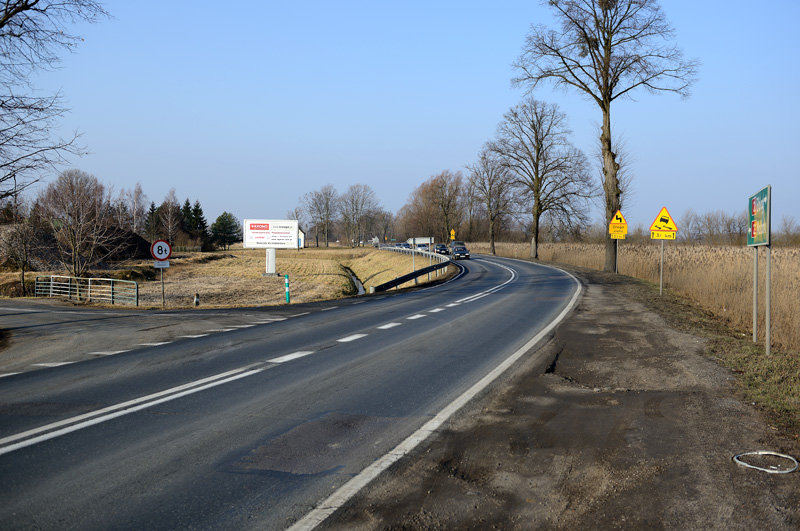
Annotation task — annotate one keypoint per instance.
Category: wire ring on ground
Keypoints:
(767, 470)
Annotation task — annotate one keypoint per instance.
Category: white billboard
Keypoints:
(270, 233)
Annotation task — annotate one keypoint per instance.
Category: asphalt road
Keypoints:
(253, 427)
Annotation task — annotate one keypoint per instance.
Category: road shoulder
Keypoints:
(628, 424)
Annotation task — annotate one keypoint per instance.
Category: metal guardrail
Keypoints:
(444, 261)
(88, 289)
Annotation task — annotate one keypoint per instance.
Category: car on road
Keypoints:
(441, 248)
(422, 247)
(460, 251)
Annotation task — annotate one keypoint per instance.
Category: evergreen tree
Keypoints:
(186, 214)
(199, 223)
(152, 223)
(226, 230)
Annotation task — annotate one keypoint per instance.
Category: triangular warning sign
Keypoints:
(618, 218)
(664, 222)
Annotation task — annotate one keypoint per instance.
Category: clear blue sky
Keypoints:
(248, 106)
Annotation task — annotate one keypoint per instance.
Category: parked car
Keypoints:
(460, 251)
(441, 248)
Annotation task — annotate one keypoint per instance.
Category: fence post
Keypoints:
(137, 294)
(112, 291)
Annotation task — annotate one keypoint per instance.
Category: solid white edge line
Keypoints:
(351, 338)
(111, 416)
(8, 374)
(115, 407)
(195, 336)
(53, 364)
(351, 488)
(107, 352)
(292, 356)
(156, 344)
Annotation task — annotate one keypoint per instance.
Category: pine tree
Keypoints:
(186, 214)
(151, 224)
(226, 230)
(199, 223)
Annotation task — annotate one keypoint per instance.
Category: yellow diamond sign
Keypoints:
(663, 227)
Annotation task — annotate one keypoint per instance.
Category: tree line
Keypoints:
(77, 223)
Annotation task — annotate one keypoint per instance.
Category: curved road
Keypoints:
(255, 427)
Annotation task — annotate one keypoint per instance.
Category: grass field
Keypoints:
(234, 277)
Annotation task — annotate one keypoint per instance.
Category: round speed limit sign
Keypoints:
(161, 250)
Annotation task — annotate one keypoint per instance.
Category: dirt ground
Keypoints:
(627, 425)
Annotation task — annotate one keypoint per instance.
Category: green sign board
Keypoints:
(759, 212)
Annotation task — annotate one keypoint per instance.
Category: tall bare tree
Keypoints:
(32, 33)
(80, 213)
(355, 205)
(606, 49)
(491, 182)
(170, 216)
(548, 171)
(321, 206)
(447, 188)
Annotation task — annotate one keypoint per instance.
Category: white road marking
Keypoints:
(452, 305)
(436, 310)
(292, 356)
(326, 309)
(418, 316)
(271, 319)
(351, 338)
(54, 364)
(220, 330)
(108, 352)
(156, 344)
(118, 410)
(242, 326)
(8, 374)
(388, 326)
(195, 336)
(299, 314)
(22, 310)
(333, 502)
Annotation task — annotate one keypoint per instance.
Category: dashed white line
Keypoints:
(452, 305)
(388, 326)
(270, 320)
(299, 314)
(156, 344)
(292, 356)
(331, 308)
(436, 310)
(351, 338)
(242, 326)
(418, 316)
(54, 364)
(108, 352)
(220, 330)
(195, 336)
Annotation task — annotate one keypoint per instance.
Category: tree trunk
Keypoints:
(491, 237)
(610, 186)
(535, 236)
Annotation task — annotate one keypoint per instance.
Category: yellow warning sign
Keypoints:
(452, 234)
(663, 227)
(618, 226)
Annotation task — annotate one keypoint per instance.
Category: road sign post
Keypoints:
(161, 250)
(759, 212)
(663, 228)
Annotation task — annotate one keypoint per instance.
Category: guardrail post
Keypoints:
(112, 291)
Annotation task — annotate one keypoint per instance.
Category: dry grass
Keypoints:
(234, 278)
(719, 279)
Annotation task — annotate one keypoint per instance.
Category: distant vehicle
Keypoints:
(422, 247)
(403, 245)
(457, 243)
(460, 251)
(440, 248)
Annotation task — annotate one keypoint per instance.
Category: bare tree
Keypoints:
(79, 210)
(32, 33)
(447, 188)
(321, 206)
(490, 180)
(137, 207)
(170, 216)
(606, 49)
(548, 171)
(355, 206)
(21, 241)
